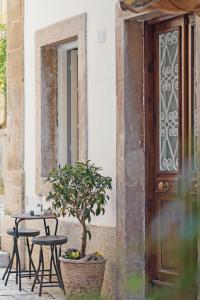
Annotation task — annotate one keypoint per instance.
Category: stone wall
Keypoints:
(14, 173)
(14, 181)
(49, 113)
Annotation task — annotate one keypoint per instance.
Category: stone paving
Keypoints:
(11, 291)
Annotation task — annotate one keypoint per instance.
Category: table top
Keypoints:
(29, 217)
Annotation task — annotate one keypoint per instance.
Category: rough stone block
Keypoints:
(4, 259)
(15, 37)
(15, 65)
(15, 10)
(14, 179)
(6, 240)
(15, 103)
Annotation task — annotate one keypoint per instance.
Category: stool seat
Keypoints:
(50, 240)
(24, 232)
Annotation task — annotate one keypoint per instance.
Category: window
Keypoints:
(68, 103)
(59, 140)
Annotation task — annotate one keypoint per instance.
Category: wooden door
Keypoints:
(171, 185)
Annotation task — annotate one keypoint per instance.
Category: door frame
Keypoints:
(151, 114)
(131, 221)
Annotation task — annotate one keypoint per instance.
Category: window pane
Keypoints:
(168, 101)
(74, 106)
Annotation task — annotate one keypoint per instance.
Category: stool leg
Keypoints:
(11, 262)
(58, 269)
(53, 259)
(38, 270)
(60, 253)
(31, 263)
(30, 251)
(6, 271)
(42, 272)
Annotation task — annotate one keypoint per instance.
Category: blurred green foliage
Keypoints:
(3, 59)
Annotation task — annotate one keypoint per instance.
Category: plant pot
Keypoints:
(82, 279)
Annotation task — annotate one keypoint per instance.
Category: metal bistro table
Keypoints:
(18, 219)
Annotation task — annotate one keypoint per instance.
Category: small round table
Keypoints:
(18, 219)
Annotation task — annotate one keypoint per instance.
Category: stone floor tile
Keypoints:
(11, 291)
(34, 297)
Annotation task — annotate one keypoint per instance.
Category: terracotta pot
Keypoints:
(82, 280)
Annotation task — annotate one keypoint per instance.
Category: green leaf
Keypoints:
(86, 213)
(98, 210)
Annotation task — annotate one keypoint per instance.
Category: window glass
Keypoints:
(168, 101)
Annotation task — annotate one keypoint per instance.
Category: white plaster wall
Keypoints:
(101, 85)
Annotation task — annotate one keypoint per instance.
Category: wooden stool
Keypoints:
(22, 233)
(53, 242)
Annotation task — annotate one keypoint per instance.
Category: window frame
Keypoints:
(64, 99)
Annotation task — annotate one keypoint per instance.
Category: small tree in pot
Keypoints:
(80, 191)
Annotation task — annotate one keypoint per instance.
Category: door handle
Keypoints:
(163, 186)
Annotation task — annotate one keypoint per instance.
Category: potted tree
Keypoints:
(80, 191)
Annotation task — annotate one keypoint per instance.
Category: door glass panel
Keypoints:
(168, 101)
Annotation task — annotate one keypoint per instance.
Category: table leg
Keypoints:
(17, 270)
(19, 266)
(46, 227)
(56, 228)
(18, 262)
(51, 266)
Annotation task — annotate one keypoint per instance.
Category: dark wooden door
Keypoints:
(171, 185)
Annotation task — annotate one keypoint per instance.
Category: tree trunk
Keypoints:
(84, 241)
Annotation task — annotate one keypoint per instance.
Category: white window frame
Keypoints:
(62, 101)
